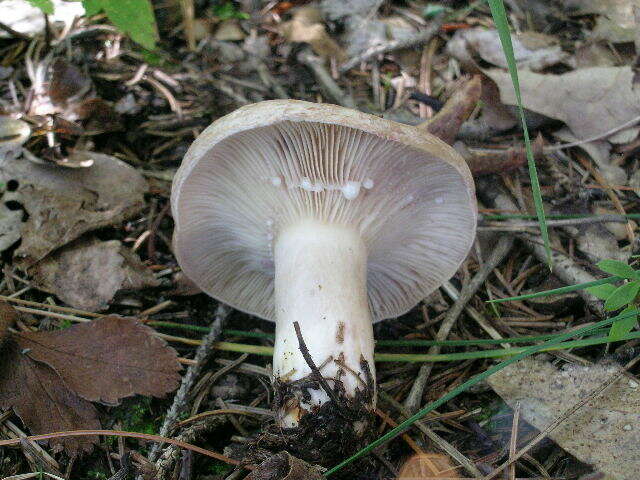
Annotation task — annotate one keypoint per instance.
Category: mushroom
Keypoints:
(328, 217)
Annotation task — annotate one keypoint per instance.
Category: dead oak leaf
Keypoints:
(48, 378)
(589, 101)
(107, 359)
(42, 401)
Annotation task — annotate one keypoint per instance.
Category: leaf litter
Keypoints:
(164, 98)
(50, 378)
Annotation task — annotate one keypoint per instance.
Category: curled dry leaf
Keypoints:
(107, 359)
(86, 274)
(446, 123)
(62, 204)
(306, 27)
(428, 465)
(49, 378)
(532, 51)
(283, 466)
(604, 433)
(590, 101)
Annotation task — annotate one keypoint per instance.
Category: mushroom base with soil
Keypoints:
(321, 284)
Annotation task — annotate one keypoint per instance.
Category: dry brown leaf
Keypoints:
(532, 51)
(446, 123)
(86, 274)
(62, 204)
(306, 27)
(42, 401)
(107, 359)
(604, 433)
(428, 465)
(590, 101)
(8, 316)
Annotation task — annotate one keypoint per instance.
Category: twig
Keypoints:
(330, 87)
(202, 355)
(119, 433)
(418, 39)
(513, 442)
(566, 414)
(468, 291)
(630, 123)
(452, 451)
(516, 226)
(314, 369)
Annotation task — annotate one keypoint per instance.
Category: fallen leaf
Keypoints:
(600, 152)
(615, 21)
(619, 230)
(68, 82)
(604, 433)
(86, 274)
(446, 123)
(598, 243)
(428, 465)
(283, 466)
(62, 204)
(13, 133)
(29, 20)
(107, 359)
(532, 51)
(42, 401)
(589, 101)
(229, 31)
(306, 27)
(8, 316)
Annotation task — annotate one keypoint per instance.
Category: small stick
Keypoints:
(314, 369)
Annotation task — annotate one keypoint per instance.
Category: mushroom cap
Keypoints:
(269, 164)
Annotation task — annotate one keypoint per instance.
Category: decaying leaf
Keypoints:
(598, 243)
(428, 465)
(532, 51)
(27, 19)
(590, 101)
(42, 401)
(283, 466)
(13, 133)
(8, 316)
(62, 204)
(49, 378)
(615, 20)
(86, 274)
(306, 27)
(604, 433)
(107, 359)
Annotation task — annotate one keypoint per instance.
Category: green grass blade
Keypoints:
(500, 19)
(558, 291)
(469, 383)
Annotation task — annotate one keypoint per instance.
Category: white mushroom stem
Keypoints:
(321, 283)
